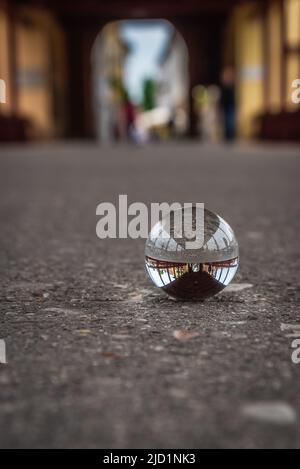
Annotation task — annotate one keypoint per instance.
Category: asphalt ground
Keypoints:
(97, 357)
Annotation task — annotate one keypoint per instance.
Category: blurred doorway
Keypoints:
(140, 82)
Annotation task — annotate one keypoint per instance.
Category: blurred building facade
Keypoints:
(46, 48)
(173, 82)
(33, 66)
(262, 42)
(108, 59)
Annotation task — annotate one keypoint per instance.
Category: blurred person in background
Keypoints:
(207, 107)
(228, 104)
(129, 115)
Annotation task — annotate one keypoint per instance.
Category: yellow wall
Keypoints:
(292, 11)
(258, 73)
(35, 74)
(249, 67)
(274, 76)
(4, 62)
(34, 99)
(40, 64)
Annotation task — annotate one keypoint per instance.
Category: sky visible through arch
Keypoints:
(147, 40)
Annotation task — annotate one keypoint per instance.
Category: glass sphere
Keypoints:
(192, 273)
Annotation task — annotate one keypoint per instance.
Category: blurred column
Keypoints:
(12, 56)
(203, 39)
(283, 54)
(79, 40)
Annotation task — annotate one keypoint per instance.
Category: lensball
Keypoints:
(192, 273)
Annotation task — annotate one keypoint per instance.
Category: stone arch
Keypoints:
(107, 40)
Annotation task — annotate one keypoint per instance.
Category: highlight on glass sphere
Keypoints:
(191, 273)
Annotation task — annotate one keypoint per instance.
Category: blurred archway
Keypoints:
(140, 81)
